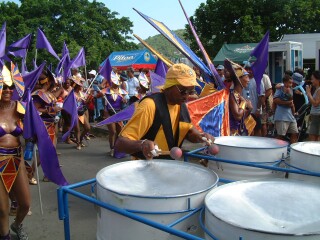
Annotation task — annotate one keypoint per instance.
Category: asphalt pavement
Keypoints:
(77, 166)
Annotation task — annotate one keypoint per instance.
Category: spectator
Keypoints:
(132, 83)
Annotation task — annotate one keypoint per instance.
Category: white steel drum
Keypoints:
(155, 187)
(251, 149)
(279, 209)
(305, 156)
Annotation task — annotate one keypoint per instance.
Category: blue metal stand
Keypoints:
(63, 192)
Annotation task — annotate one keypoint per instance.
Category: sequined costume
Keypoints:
(115, 99)
(10, 159)
(48, 101)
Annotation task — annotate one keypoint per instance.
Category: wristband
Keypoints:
(142, 143)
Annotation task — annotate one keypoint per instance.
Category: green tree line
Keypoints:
(224, 21)
(79, 23)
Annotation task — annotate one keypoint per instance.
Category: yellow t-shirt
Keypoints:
(142, 120)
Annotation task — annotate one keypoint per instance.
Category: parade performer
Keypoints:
(83, 113)
(162, 118)
(12, 168)
(45, 101)
(240, 108)
(115, 100)
(314, 126)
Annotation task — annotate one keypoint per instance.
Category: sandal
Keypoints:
(45, 179)
(33, 181)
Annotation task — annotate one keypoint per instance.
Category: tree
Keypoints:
(223, 21)
(79, 23)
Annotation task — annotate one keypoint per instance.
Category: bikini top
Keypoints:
(16, 132)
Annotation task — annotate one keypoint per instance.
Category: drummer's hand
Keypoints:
(207, 138)
(146, 148)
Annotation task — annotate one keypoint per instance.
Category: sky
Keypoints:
(167, 11)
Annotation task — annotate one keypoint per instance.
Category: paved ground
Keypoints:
(77, 166)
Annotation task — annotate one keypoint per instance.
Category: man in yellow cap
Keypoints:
(162, 119)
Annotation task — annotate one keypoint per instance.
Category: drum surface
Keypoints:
(269, 206)
(312, 148)
(156, 178)
(250, 142)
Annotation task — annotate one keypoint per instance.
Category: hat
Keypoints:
(93, 72)
(77, 80)
(220, 67)
(183, 74)
(297, 78)
(123, 76)
(115, 78)
(143, 80)
(235, 70)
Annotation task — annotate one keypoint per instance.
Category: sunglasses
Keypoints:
(6, 87)
(185, 91)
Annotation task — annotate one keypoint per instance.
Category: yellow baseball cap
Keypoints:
(182, 74)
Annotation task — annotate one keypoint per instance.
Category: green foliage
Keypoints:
(163, 46)
(80, 23)
(225, 21)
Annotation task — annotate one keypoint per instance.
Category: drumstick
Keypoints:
(175, 152)
(208, 141)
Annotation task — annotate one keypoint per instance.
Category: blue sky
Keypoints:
(167, 11)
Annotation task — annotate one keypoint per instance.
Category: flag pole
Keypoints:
(35, 150)
(35, 59)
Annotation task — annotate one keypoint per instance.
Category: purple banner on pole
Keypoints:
(22, 43)
(70, 106)
(3, 40)
(35, 129)
(42, 42)
(261, 52)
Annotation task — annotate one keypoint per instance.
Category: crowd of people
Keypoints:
(160, 119)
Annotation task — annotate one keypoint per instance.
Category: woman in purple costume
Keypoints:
(115, 99)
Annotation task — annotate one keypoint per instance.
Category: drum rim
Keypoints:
(294, 145)
(163, 197)
(285, 144)
(252, 229)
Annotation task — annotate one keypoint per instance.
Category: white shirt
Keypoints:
(132, 85)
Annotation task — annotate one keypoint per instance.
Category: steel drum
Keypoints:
(155, 187)
(249, 149)
(305, 156)
(277, 209)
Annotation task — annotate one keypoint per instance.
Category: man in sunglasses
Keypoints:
(162, 119)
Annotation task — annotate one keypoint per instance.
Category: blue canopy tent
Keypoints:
(136, 58)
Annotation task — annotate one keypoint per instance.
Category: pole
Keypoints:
(35, 148)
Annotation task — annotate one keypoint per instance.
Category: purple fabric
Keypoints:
(161, 69)
(60, 64)
(79, 60)
(118, 154)
(34, 128)
(30, 80)
(10, 151)
(42, 42)
(22, 53)
(261, 52)
(116, 105)
(65, 49)
(70, 106)
(22, 43)
(156, 81)
(106, 70)
(3, 40)
(123, 115)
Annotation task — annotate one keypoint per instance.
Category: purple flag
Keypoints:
(1, 65)
(156, 82)
(60, 64)
(3, 39)
(123, 115)
(42, 42)
(161, 69)
(79, 60)
(30, 79)
(34, 128)
(70, 106)
(261, 52)
(106, 70)
(22, 43)
(19, 53)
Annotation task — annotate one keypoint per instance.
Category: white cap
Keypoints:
(93, 72)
